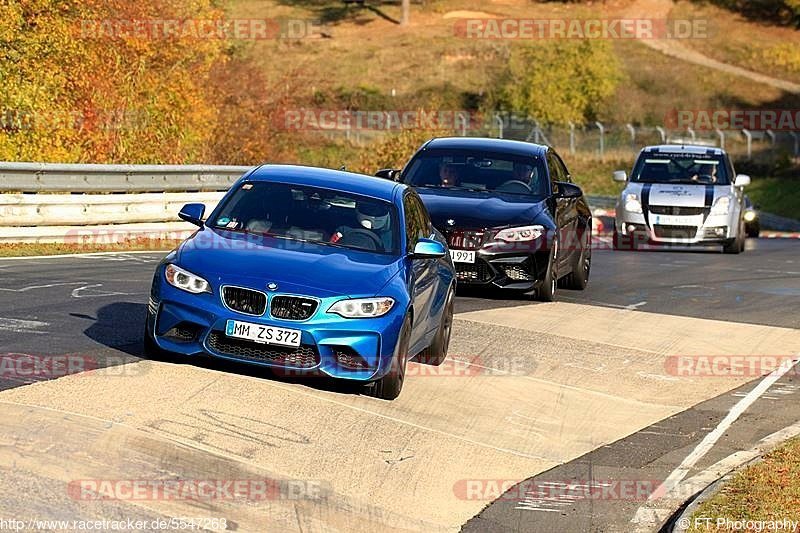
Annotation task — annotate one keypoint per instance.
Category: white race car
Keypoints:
(681, 195)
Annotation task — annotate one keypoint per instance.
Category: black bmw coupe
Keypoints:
(511, 214)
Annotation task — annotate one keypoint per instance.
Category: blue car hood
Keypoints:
(469, 209)
(225, 257)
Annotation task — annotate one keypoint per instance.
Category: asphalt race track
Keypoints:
(583, 391)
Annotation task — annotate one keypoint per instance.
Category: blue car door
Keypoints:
(424, 273)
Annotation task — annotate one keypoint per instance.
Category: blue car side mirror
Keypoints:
(193, 213)
(429, 249)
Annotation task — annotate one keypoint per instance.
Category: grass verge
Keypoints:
(769, 490)
(26, 249)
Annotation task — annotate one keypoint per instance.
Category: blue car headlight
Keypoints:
(362, 307)
(185, 280)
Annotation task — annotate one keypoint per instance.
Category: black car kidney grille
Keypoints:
(466, 239)
(676, 210)
(293, 307)
(303, 356)
(245, 301)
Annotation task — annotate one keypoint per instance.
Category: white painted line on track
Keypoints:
(647, 516)
(46, 286)
(21, 326)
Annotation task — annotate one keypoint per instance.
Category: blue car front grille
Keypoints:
(247, 301)
(304, 356)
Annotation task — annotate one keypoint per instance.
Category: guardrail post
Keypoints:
(500, 125)
(661, 131)
(572, 138)
(749, 137)
(771, 135)
(721, 135)
(796, 143)
(602, 138)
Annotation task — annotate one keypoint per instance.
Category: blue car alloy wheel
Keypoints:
(309, 272)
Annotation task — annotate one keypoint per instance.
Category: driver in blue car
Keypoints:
(375, 230)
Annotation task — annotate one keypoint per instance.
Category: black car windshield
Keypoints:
(681, 168)
(479, 171)
(311, 214)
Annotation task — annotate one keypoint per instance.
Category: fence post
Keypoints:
(771, 135)
(796, 143)
(749, 137)
(463, 120)
(602, 138)
(661, 131)
(721, 135)
(632, 131)
(499, 121)
(692, 134)
(572, 138)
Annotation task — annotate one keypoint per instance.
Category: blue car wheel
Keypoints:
(390, 385)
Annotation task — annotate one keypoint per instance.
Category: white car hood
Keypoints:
(678, 194)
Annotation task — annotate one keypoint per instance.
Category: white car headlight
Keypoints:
(521, 234)
(185, 280)
(721, 206)
(362, 307)
(750, 216)
(632, 203)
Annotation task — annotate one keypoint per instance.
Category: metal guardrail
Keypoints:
(88, 178)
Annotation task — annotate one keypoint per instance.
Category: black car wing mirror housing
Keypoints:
(567, 190)
(389, 174)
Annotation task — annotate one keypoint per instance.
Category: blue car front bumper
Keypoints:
(195, 325)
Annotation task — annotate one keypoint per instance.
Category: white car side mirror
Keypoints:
(620, 175)
(742, 180)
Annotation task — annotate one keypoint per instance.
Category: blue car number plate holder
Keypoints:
(263, 334)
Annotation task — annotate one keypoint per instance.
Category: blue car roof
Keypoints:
(339, 180)
(486, 143)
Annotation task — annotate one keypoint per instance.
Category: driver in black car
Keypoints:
(374, 232)
(529, 175)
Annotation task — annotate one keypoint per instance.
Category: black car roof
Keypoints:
(484, 143)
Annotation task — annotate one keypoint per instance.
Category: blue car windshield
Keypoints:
(478, 171)
(311, 214)
(686, 168)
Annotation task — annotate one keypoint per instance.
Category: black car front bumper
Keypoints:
(513, 271)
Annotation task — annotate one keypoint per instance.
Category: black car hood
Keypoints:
(468, 209)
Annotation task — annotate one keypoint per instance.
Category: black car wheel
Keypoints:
(436, 353)
(735, 246)
(547, 292)
(390, 385)
(579, 277)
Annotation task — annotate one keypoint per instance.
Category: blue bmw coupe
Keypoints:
(308, 271)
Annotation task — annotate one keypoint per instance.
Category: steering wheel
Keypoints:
(358, 237)
(514, 186)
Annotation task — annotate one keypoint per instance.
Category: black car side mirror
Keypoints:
(193, 213)
(567, 190)
(389, 174)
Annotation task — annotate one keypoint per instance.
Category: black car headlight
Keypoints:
(520, 234)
